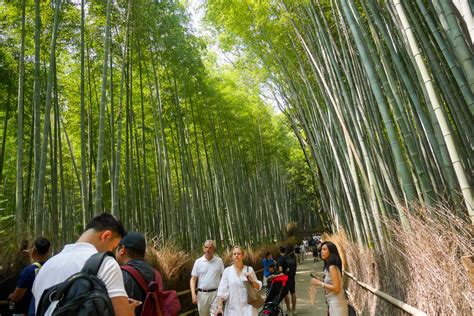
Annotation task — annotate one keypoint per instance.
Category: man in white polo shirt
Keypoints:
(102, 233)
(207, 271)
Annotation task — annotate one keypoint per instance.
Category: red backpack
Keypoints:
(157, 301)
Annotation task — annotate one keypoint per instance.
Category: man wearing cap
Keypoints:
(131, 252)
(207, 271)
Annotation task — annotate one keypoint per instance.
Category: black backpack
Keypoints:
(291, 265)
(82, 294)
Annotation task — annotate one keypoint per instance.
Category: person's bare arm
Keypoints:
(220, 304)
(192, 286)
(272, 276)
(122, 306)
(252, 278)
(17, 295)
(336, 285)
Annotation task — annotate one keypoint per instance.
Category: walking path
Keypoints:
(303, 301)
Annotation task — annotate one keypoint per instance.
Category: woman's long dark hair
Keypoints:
(334, 258)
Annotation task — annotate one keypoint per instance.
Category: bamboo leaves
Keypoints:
(180, 149)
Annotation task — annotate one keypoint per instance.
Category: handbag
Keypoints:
(350, 308)
(253, 298)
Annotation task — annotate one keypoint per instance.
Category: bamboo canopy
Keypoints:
(120, 108)
(332, 113)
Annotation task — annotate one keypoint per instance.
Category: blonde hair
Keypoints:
(240, 248)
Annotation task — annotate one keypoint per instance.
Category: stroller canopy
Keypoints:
(281, 278)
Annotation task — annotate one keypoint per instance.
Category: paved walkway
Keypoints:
(303, 302)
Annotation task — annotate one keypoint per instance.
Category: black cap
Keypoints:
(134, 240)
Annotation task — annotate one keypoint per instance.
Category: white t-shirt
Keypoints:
(70, 261)
(208, 272)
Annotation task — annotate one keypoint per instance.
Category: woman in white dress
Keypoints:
(232, 290)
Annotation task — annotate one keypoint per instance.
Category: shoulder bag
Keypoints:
(253, 298)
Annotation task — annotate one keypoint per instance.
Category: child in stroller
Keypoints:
(275, 295)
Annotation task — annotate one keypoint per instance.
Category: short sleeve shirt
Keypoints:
(266, 263)
(283, 264)
(70, 261)
(25, 281)
(208, 272)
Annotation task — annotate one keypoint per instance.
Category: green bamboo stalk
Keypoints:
(39, 206)
(452, 149)
(19, 209)
(98, 207)
(456, 39)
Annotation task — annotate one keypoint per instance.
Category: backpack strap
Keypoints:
(137, 276)
(38, 267)
(37, 264)
(93, 264)
(140, 280)
(158, 280)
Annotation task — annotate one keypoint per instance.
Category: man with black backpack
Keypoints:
(287, 265)
(143, 282)
(79, 280)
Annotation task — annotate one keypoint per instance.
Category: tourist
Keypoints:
(332, 281)
(102, 233)
(297, 250)
(130, 253)
(303, 251)
(232, 290)
(316, 251)
(273, 272)
(22, 296)
(207, 272)
(305, 243)
(266, 262)
(287, 265)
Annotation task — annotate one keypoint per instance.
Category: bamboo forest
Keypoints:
(249, 122)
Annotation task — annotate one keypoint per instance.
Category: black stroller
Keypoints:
(277, 293)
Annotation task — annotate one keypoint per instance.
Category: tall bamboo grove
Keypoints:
(380, 95)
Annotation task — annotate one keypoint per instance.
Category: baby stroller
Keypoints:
(277, 293)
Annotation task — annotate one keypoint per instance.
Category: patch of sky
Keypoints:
(196, 11)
